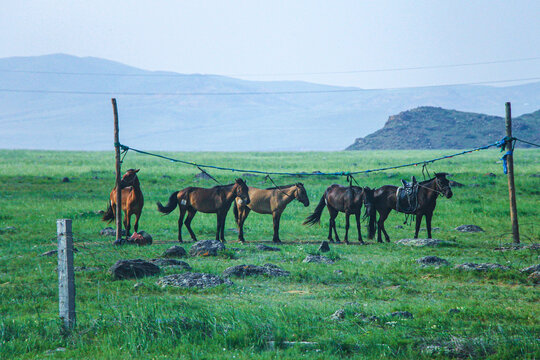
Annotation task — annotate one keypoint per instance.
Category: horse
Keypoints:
(268, 201)
(132, 200)
(216, 200)
(349, 200)
(428, 191)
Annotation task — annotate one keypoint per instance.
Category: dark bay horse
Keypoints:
(268, 201)
(428, 191)
(216, 200)
(132, 200)
(349, 200)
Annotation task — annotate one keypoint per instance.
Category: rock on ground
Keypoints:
(531, 269)
(109, 231)
(432, 260)
(338, 315)
(172, 263)
(534, 277)
(469, 228)
(206, 248)
(175, 251)
(318, 259)
(135, 268)
(422, 242)
(249, 270)
(481, 267)
(141, 238)
(401, 314)
(324, 247)
(191, 280)
(263, 247)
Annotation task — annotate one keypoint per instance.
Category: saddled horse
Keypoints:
(268, 201)
(132, 200)
(349, 200)
(428, 191)
(216, 200)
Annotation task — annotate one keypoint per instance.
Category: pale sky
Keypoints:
(277, 38)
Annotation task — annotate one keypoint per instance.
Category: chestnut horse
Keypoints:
(346, 199)
(268, 201)
(428, 191)
(132, 200)
(216, 200)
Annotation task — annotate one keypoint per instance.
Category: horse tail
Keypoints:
(372, 219)
(316, 216)
(109, 214)
(171, 205)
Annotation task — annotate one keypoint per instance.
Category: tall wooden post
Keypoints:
(66, 274)
(511, 185)
(118, 210)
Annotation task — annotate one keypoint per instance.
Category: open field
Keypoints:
(498, 313)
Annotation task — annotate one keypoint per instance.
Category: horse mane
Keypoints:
(280, 187)
(217, 187)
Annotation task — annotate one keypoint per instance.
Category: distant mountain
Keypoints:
(436, 128)
(63, 102)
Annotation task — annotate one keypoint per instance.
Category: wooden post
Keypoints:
(511, 185)
(66, 274)
(118, 210)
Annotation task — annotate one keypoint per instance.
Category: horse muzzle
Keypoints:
(449, 194)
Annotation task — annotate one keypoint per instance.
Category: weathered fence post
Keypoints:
(118, 210)
(511, 185)
(66, 274)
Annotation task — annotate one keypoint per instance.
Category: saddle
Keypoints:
(407, 196)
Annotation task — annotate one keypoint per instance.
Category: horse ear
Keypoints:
(137, 170)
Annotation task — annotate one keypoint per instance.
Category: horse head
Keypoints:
(129, 178)
(241, 190)
(443, 185)
(301, 194)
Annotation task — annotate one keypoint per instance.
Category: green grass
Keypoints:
(499, 310)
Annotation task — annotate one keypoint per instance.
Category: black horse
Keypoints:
(349, 200)
(428, 191)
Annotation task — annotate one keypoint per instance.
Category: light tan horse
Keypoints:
(216, 200)
(132, 200)
(268, 201)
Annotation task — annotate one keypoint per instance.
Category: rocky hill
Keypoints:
(429, 127)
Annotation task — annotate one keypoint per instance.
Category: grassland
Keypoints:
(498, 310)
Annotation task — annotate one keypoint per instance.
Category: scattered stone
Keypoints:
(398, 227)
(469, 228)
(135, 268)
(338, 315)
(109, 231)
(490, 174)
(317, 259)
(65, 180)
(191, 280)
(138, 285)
(175, 251)
(534, 277)
(263, 247)
(460, 348)
(531, 269)
(338, 272)
(171, 263)
(324, 247)
(455, 184)
(432, 260)
(401, 314)
(250, 270)
(422, 242)
(7, 229)
(206, 248)
(141, 238)
(366, 318)
(454, 311)
(481, 267)
(202, 176)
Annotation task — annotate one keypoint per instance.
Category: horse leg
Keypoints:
(242, 216)
(180, 221)
(190, 215)
(380, 223)
(347, 224)
(418, 222)
(276, 215)
(429, 215)
(127, 224)
(222, 231)
(333, 213)
(358, 227)
(137, 217)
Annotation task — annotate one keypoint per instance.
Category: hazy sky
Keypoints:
(276, 38)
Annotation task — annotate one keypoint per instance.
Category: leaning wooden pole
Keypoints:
(118, 210)
(511, 185)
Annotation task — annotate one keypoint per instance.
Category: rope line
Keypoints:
(500, 143)
(527, 142)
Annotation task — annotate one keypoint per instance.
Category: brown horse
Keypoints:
(216, 200)
(268, 201)
(132, 200)
(346, 199)
(428, 191)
